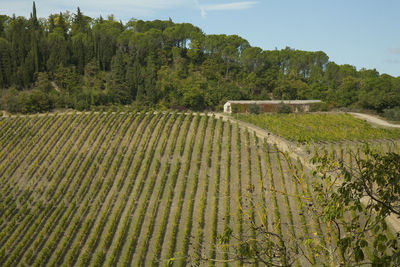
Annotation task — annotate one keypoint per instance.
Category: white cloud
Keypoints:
(122, 9)
(227, 6)
(130, 8)
(143, 4)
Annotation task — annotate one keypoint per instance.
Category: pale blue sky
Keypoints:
(363, 33)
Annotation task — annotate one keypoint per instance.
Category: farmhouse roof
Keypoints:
(273, 101)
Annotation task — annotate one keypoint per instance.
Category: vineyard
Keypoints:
(145, 189)
(314, 127)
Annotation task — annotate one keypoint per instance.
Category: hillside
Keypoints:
(140, 188)
(321, 127)
(70, 60)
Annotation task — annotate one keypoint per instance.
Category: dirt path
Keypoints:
(374, 120)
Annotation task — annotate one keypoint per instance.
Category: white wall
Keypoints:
(227, 108)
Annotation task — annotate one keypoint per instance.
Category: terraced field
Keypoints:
(141, 189)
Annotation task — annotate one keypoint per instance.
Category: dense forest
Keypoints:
(70, 60)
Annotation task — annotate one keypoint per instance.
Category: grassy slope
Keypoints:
(318, 127)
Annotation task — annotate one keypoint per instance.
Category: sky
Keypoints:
(362, 33)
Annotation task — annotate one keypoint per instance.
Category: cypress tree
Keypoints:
(34, 16)
(35, 38)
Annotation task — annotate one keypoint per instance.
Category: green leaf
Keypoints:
(358, 254)
(376, 229)
(226, 236)
(344, 243)
(363, 243)
(381, 238)
(381, 247)
(245, 250)
(170, 261)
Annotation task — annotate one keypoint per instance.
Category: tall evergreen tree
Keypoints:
(35, 36)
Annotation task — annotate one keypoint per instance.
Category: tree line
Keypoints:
(70, 60)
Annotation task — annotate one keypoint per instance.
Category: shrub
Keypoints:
(319, 107)
(392, 114)
(234, 108)
(283, 108)
(254, 109)
(81, 104)
(28, 102)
